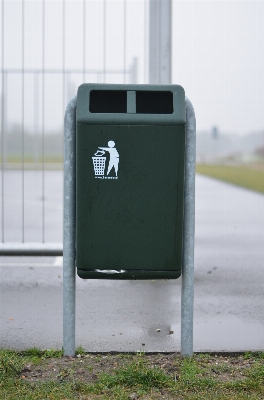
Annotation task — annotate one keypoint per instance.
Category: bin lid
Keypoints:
(112, 104)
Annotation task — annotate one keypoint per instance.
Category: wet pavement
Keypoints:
(145, 315)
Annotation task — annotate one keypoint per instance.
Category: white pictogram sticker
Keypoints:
(99, 161)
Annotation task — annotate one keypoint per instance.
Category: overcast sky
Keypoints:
(218, 55)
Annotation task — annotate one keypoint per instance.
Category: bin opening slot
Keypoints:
(154, 102)
(122, 101)
(108, 101)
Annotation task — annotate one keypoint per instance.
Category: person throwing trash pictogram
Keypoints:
(114, 156)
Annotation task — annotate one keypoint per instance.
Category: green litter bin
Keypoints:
(130, 153)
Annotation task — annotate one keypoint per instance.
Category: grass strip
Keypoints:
(246, 177)
(35, 374)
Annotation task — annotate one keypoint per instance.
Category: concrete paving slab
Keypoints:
(141, 315)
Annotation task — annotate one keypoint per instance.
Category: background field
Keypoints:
(250, 176)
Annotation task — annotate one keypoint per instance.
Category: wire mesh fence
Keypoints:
(52, 48)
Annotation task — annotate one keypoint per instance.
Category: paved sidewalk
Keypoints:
(125, 315)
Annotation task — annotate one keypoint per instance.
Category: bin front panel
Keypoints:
(130, 182)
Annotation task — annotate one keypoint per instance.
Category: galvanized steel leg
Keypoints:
(188, 235)
(69, 229)
(69, 233)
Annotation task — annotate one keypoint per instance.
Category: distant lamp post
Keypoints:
(215, 132)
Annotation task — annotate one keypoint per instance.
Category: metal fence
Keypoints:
(53, 47)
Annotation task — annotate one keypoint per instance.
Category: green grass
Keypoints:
(11, 362)
(16, 162)
(202, 377)
(80, 350)
(250, 177)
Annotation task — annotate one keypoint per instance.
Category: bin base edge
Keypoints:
(129, 274)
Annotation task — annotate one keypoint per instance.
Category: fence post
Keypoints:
(188, 235)
(69, 272)
(160, 31)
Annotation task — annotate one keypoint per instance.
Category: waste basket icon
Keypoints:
(99, 165)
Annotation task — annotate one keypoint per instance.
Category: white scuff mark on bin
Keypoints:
(110, 271)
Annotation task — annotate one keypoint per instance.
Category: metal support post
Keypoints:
(69, 272)
(188, 235)
(69, 233)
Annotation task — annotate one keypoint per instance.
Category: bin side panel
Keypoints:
(132, 217)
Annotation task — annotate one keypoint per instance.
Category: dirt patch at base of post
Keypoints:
(88, 367)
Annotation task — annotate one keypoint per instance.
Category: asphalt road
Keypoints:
(125, 315)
